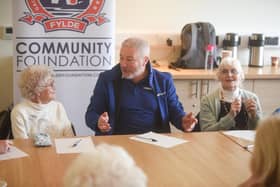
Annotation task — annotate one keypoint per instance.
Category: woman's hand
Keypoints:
(4, 146)
(235, 107)
(251, 107)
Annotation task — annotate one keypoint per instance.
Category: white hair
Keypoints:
(233, 62)
(105, 166)
(142, 46)
(33, 79)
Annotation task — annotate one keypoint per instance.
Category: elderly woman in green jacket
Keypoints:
(230, 107)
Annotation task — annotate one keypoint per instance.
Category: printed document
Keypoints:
(244, 134)
(158, 139)
(13, 153)
(73, 145)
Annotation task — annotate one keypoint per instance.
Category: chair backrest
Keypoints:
(6, 125)
(276, 111)
(197, 126)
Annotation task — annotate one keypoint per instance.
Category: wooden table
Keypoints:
(209, 159)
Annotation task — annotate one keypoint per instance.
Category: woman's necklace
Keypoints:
(224, 103)
(241, 118)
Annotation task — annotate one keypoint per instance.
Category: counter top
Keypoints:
(266, 72)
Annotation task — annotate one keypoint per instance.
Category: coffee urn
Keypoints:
(231, 42)
(256, 46)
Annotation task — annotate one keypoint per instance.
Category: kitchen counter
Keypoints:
(192, 84)
(264, 73)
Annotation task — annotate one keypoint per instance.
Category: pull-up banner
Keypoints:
(73, 37)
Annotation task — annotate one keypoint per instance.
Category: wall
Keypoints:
(159, 16)
(165, 18)
(156, 20)
(6, 53)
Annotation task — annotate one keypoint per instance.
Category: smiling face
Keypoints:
(48, 93)
(229, 77)
(230, 73)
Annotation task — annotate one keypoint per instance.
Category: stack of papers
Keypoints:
(158, 139)
(244, 134)
(73, 145)
(13, 153)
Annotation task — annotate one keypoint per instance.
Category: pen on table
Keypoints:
(145, 138)
(76, 143)
(9, 144)
(249, 146)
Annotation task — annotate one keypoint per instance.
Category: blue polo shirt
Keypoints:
(139, 110)
(106, 98)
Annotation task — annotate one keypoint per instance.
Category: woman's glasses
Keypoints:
(49, 84)
(229, 71)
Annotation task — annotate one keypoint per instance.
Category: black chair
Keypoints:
(276, 111)
(6, 125)
(197, 126)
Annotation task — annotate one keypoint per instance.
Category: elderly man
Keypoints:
(134, 98)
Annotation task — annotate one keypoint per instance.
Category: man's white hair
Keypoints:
(142, 46)
(105, 166)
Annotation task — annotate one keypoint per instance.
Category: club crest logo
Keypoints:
(74, 15)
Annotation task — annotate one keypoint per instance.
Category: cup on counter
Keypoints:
(274, 61)
(226, 53)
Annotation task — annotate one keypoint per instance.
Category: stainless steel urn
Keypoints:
(256, 46)
(231, 42)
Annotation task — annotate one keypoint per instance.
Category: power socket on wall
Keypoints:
(6, 32)
(169, 42)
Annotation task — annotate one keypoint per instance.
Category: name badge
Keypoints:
(160, 94)
(147, 88)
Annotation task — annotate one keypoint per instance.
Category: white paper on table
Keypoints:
(65, 145)
(161, 140)
(244, 134)
(13, 153)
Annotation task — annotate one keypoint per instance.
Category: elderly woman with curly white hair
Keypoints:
(106, 166)
(39, 112)
(265, 160)
(230, 107)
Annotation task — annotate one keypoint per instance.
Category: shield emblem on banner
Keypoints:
(74, 15)
(67, 8)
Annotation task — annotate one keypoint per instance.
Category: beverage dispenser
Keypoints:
(256, 46)
(231, 43)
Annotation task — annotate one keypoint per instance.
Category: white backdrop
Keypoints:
(75, 40)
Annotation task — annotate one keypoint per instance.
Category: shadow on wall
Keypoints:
(6, 82)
